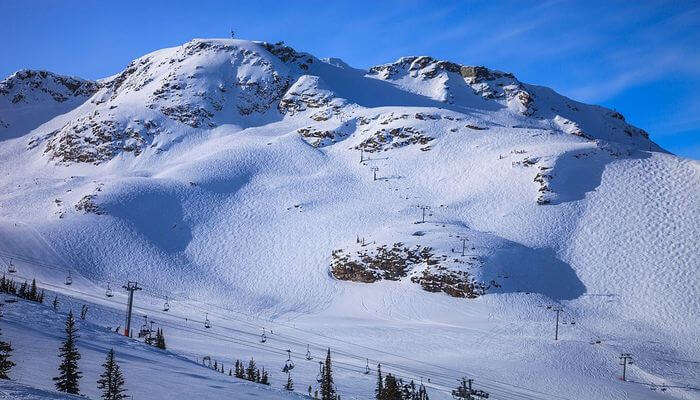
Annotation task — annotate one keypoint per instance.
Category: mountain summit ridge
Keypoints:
(205, 83)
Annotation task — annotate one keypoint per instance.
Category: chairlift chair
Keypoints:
(144, 331)
(263, 337)
(166, 305)
(319, 377)
(207, 324)
(11, 269)
(69, 279)
(308, 353)
(367, 367)
(289, 364)
(108, 292)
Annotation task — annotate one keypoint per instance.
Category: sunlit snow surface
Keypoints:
(243, 212)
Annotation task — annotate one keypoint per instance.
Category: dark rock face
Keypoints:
(21, 84)
(480, 73)
(396, 262)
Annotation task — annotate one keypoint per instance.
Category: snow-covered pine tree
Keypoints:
(33, 294)
(54, 303)
(238, 369)
(69, 374)
(230, 373)
(216, 366)
(392, 390)
(327, 388)
(5, 363)
(290, 383)
(41, 297)
(422, 393)
(379, 390)
(23, 290)
(264, 379)
(160, 339)
(111, 381)
(250, 371)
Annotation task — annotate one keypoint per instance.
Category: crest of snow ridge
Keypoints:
(202, 84)
(206, 83)
(39, 90)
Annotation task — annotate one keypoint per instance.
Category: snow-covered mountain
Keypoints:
(422, 207)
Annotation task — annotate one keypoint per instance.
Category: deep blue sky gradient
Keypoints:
(641, 58)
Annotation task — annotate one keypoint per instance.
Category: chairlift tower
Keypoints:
(130, 287)
(556, 329)
(374, 170)
(423, 208)
(625, 358)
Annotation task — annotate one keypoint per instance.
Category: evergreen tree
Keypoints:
(264, 379)
(379, 390)
(327, 388)
(216, 366)
(422, 393)
(290, 383)
(229, 372)
(5, 363)
(41, 297)
(239, 372)
(160, 339)
(250, 372)
(33, 291)
(69, 375)
(54, 303)
(111, 381)
(23, 290)
(392, 391)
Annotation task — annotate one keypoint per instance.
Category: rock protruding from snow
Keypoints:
(443, 81)
(199, 85)
(162, 97)
(29, 98)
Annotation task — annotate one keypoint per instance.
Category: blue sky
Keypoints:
(641, 58)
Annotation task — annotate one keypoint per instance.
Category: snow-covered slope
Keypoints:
(29, 98)
(238, 173)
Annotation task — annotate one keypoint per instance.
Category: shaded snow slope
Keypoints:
(228, 171)
(29, 98)
(36, 332)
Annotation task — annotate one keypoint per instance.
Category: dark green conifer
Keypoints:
(111, 381)
(69, 375)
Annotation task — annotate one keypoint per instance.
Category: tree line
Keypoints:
(26, 291)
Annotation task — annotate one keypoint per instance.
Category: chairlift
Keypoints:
(166, 305)
(367, 367)
(108, 292)
(207, 324)
(11, 269)
(319, 377)
(69, 279)
(263, 337)
(289, 364)
(308, 353)
(144, 331)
